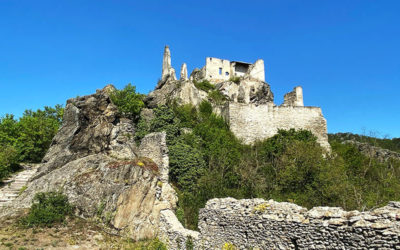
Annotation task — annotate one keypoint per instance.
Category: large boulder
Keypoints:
(94, 160)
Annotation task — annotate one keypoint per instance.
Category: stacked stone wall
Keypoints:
(260, 224)
(252, 122)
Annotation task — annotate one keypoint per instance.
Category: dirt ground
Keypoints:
(75, 233)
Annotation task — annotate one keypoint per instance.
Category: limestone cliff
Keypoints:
(95, 162)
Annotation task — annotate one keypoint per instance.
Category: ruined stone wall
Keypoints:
(257, 70)
(251, 122)
(260, 224)
(212, 68)
(294, 98)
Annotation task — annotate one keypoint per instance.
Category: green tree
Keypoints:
(8, 161)
(129, 102)
(36, 130)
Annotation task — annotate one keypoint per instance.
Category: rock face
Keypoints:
(184, 92)
(260, 224)
(95, 162)
(167, 70)
(246, 91)
(378, 153)
(91, 125)
(184, 73)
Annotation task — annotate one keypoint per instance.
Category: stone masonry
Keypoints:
(260, 224)
(251, 122)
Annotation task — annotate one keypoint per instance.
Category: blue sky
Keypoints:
(345, 54)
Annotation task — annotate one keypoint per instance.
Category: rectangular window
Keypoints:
(220, 71)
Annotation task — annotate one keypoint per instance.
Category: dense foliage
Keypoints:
(8, 160)
(129, 102)
(208, 161)
(390, 144)
(47, 209)
(27, 139)
(204, 85)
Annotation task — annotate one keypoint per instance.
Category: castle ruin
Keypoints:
(249, 108)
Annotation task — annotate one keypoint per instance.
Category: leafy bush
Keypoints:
(390, 144)
(142, 129)
(217, 97)
(47, 209)
(235, 79)
(186, 165)
(155, 244)
(204, 85)
(129, 102)
(165, 120)
(8, 161)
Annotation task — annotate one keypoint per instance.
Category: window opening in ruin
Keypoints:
(220, 71)
(227, 73)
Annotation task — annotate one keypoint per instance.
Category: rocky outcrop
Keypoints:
(184, 92)
(167, 70)
(184, 73)
(95, 162)
(246, 91)
(91, 125)
(260, 224)
(378, 153)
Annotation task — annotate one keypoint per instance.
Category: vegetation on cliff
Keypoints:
(208, 161)
(129, 102)
(385, 143)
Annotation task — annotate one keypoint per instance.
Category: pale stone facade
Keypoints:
(218, 70)
(251, 122)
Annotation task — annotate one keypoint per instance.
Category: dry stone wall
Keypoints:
(251, 122)
(260, 224)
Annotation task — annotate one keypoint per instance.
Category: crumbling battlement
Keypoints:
(294, 98)
(260, 224)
